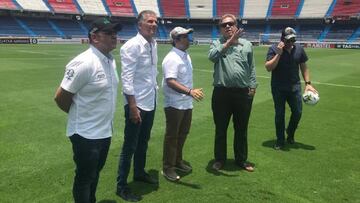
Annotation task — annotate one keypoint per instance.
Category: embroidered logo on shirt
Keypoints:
(69, 73)
(100, 76)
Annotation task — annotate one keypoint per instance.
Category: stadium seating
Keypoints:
(39, 26)
(9, 27)
(147, 5)
(339, 32)
(346, 8)
(315, 8)
(228, 6)
(63, 6)
(120, 8)
(256, 9)
(8, 4)
(70, 28)
(92, 7)
(284, 8)
(33, 5)
(201, 9)
(173, 8)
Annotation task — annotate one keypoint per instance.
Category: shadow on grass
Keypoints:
(141, 188)
(288, 147)
(229, 166)
(107, 201)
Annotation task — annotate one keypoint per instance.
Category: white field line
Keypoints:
(314, 82)
(39, 52)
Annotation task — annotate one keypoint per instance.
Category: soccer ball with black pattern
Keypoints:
(311, 98)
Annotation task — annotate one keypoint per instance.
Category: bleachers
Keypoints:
(284, 8)
(256, 9)
(8, 4)
(120, 8)
(9, 27)
(201, 9)
(310, 32)
(92, 7)
(315, 8)
(173, 8)
(70, 28)
(346, 8)
(147, 5)
(63, 6)
(228, 6)
(33, 5)
(339, 32)
(39, 26)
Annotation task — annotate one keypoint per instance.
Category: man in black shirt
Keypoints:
(284, 61)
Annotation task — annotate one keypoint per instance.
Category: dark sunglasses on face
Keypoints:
(224, 25)
(290, 40)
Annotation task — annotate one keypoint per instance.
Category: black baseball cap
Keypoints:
(104, 24)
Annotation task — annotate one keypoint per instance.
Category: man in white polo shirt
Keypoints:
(88, 94)
(178, 96)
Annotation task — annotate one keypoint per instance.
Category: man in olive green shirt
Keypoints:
(234, 90)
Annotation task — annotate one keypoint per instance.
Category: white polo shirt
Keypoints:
(177, 65)
(92, 77)
(139, 71)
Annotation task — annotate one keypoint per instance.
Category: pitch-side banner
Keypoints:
(347, 46)
(14, 40)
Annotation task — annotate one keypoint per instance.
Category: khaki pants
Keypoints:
(178, 124)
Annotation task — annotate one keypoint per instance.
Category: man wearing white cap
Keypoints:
(284, 61)
(178, 96)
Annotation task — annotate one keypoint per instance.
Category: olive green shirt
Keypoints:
(235, 67)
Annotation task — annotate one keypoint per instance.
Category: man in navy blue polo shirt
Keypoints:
(284, 61)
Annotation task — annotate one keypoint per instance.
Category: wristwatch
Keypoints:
(307, 82)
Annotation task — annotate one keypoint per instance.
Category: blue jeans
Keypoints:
(136, 137)
(293, 97)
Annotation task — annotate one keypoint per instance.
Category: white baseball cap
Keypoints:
(180, 31)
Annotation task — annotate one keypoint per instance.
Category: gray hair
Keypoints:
(142, 14)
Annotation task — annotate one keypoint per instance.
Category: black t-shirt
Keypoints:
(286, 72)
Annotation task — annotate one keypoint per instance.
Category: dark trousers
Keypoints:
(178, 124)
(89, 157)
(136, 137)
(235, 102)
(294, 99)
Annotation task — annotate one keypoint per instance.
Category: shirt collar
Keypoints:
(182, 54)
(143, 40)
(99, 54)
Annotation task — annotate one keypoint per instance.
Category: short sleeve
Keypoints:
(304, 57)
(170, 68)
(270, 54)
(77, 75)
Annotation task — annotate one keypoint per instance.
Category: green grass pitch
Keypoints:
(36, 158)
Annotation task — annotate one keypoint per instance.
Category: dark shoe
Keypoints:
(170, 174)
(183, 167)
(278, 146)
(218, 165)
(290, 140)
(146, 179)
(126, 194)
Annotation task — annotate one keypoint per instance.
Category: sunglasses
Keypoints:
(224, 25)
(290, 40)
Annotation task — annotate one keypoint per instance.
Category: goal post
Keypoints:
(269, 38)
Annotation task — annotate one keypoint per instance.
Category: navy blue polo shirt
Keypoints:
(286, 73)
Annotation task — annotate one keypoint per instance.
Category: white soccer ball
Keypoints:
(311, 98)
